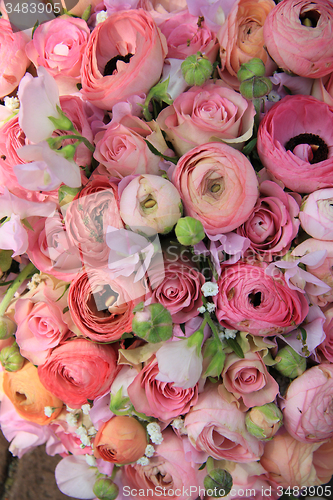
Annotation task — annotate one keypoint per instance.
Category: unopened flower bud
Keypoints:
(61, 122)
(105, 489)
(152, 323)
(289, 362)
(218, 482)
(11, 359)
(66, 194)
(263, 422)
(189, 231)
(254, 67)
(196, 69)
(256, 87)
(7, 328)
(68, 151)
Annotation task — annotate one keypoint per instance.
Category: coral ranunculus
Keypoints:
(121, 440)
(124, 56)
(29, 396)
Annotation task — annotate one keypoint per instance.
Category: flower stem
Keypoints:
(210, 321)
(81, 139)
(30, 268)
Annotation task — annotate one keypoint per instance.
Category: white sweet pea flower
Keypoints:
(75, 477)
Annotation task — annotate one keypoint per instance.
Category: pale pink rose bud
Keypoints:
(316, 214)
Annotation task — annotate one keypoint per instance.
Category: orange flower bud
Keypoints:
(29, 396)
(121, 440)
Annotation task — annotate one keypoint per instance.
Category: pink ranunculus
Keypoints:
(41, 322)
(297, 36)
(13, 61)
(307, 405)
(150, 204)
(180, 289)
(290, 463)
(217, 426)
(325, 349)
(161, 400)
(207, 114)
(58, 45)
(122, 149)
(273, 223)
(124, 56)
(79, 370)
(249, 380)
(241, 37)
(87, 218)
(185, 38)
(168, 475)
(324, 271)
(101, 307)
(288, 140)
(316, 214)
(251, 300)
(217, 185)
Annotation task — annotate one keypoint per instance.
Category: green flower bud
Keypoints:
(255, 87)
(255, 67)
(196, 69)
(189, 231)
(61, 122)
(290, 363)
(68, 151)
(105, 489)
(11, 359)
(218, 483)
(263, 422)
(152, 323)
(66, 194)
(7, 328)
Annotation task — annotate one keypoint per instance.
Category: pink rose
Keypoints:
(79, 370)
(180, 290)
(217, 185)
(216, 425)
(87, 218)
(251, 300)
(101, 307)
(307, 406)
(273, 223)
(316, 214)
(161, 400)
(168, 475)
(241, 37)
(325, 349)
(41, 323)
(58, 45)
(50, 249)
(124, 56)
(291, 463)
(206, 114)
(288, 140)
(14, 62)
(297, 36)
(249, 380)
(185, 38)
(122, 149)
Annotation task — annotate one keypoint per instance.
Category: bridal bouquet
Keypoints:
(166, 206)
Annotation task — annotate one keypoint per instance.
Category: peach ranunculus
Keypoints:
(79, 370)
(241, 37)
(120, 440)
(216, 426)
(298, 37)
(248, 379)
(217, 185)
(207, 114)
(307, 406)
(295, 143)
(124, 56)
(13, 61)
(29, 396)
(58, 45)
(101, 307)
(289, 462)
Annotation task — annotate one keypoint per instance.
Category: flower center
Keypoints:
(309, 18)
(318, 146)
(111, 65)
(255, 298)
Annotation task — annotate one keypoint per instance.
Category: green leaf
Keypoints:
(304, 334)
(65, 290)
(86, 14)
(202, 466)
(34, 28)
(248, 148)
(27, 224)
(173, 159)
(5, 260)
(234, 345)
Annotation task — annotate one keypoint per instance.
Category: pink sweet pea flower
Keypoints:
(13, 236)
(75, 477)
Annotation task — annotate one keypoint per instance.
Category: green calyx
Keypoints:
(196, 69)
